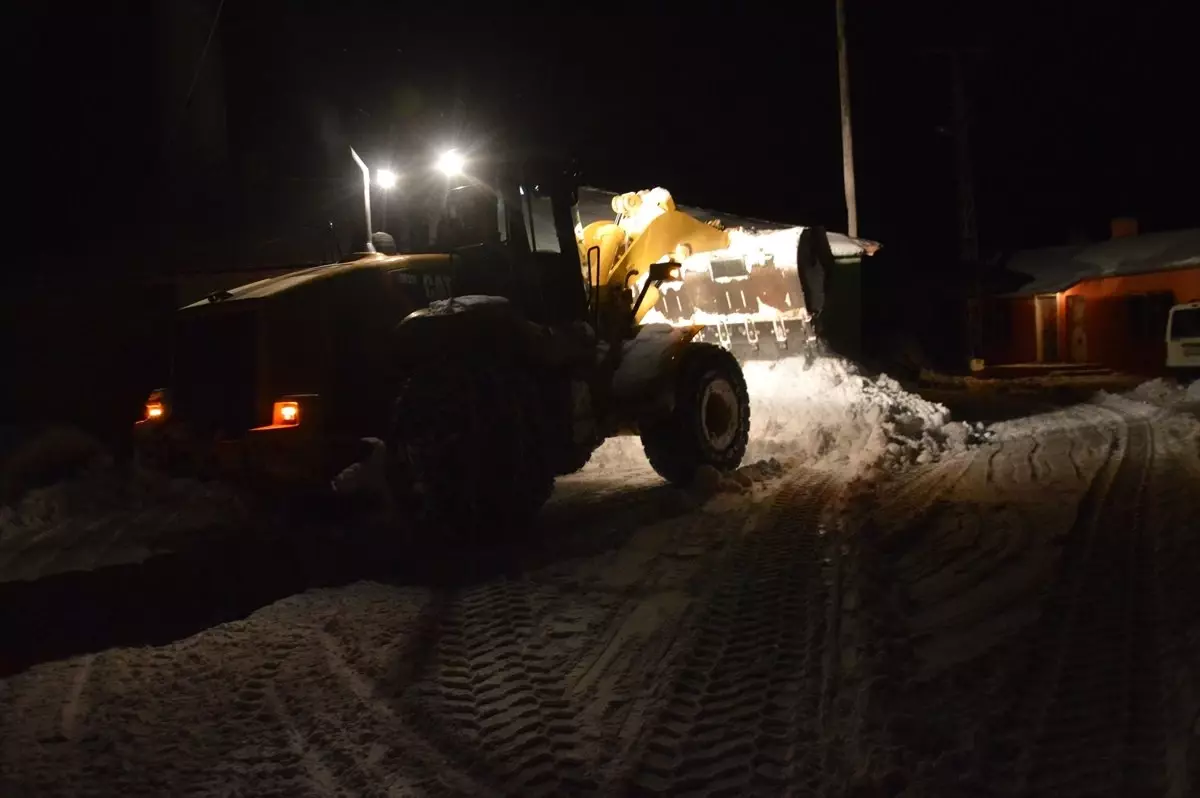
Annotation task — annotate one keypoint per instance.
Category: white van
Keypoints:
(1183, 338)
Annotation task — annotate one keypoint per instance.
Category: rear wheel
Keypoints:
(710, 424)
(468, 449)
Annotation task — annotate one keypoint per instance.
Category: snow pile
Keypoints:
(1159, 392)
(101, 516)
(824, 414)
(34, 458)
(616, 456)
(827, 415)
(710, 480)
(368, 475)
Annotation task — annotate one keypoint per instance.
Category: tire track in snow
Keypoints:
(1174, 511)
(321, 777)
(991, 463)
(394, 748)
(495, 689)
(912, 497)
(741, 712)
(958, 585)
(622, 684)
(31, 734)
(1086, 716)
(322, 693)
(75, 707)
(971, 567)
(323, 680)
(538, 684)
(1034, 471)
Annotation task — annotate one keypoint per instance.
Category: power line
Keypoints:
(187, 100)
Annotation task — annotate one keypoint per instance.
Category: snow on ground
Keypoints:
(98, 518)
(1017, 597)
(492, 686)
(643, 616)
(1167, 401)
(824, 414)
(997, 608)
(970, 624)
(1165, 392)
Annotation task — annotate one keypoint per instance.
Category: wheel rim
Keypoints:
(719, 416)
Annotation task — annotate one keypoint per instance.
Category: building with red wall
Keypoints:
(1103, 303)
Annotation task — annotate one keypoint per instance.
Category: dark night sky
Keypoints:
(1076, 110)
(1080, 111)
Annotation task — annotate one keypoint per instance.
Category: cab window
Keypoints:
(539, 222)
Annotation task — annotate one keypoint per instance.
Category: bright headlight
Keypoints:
(451, 163)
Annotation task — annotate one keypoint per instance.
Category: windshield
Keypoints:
(439, 218)
(539, 223)
(1185, 323)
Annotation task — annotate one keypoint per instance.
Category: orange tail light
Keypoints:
(285, 414)
(156, 406)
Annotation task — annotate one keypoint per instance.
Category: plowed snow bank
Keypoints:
(829, 415)
(1165, 393)
(825, 414)
(99, 517)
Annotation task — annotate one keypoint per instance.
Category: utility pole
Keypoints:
(968, 231)
(847, 138)
(959, 130)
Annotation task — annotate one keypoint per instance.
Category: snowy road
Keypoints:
(1040, 601)
(1020, 616)
(542, 680)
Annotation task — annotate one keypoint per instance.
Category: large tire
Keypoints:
(710, 424)
(468, 449)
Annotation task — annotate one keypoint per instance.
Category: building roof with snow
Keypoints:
(1058, 268)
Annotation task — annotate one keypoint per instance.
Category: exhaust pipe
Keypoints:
(366, 176)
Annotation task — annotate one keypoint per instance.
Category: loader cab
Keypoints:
(471, 215)
(514, 235)
(547, 216)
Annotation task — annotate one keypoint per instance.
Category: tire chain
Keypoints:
(741, 714)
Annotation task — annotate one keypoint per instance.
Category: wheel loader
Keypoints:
(484, 364)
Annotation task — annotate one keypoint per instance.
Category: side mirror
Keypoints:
(669, 272)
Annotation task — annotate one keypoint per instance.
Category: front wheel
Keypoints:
(710, 423)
